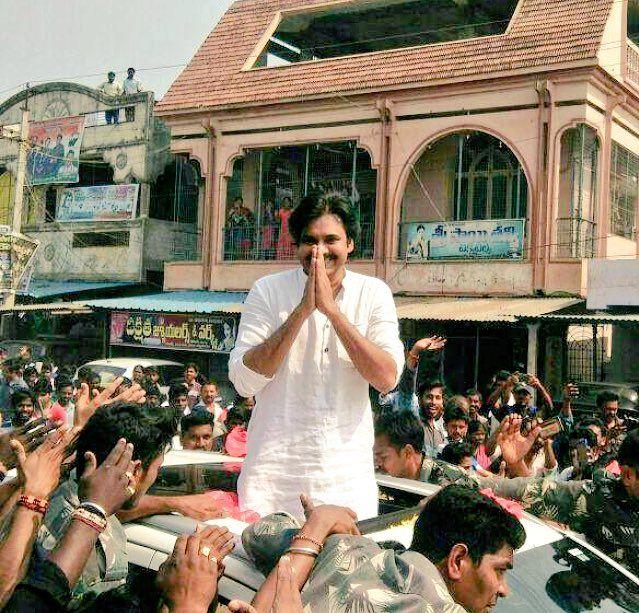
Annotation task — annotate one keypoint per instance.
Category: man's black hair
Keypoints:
(583, 434)
(18, 396)
(63, 382)
(151, 369)
(606, 397)
(629, 450)
(402, 428)
(30, 371)
(148, 429)
(474, 392)
(591, 421)
(459, 514)
(192, 365)
(453, 411)
(475, 425)
(151, 389)
(42, 387)
(502, 375)
(197, 417)
(313, 206)
(177, 388)
(13, 364)
(454, 453)
(238, 415)
(429, 385)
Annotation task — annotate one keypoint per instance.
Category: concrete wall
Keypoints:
(58, 259)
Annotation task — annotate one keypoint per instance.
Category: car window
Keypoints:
(564, 576)
(170, 372)
(107, 373)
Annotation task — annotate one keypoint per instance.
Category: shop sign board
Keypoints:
(98, 203)
(193, 332)
(494, 239)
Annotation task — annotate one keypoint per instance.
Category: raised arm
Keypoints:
(260, 348)
(379, 356)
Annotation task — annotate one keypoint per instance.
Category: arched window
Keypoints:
(464, 177)
(175, 193)
(578, 187)
(266, 184)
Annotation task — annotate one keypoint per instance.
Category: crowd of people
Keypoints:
(79, 459)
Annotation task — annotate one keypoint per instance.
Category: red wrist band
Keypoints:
(39, 505)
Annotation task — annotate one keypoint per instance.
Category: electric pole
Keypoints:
(18, 195)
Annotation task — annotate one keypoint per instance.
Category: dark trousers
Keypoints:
(112, 116)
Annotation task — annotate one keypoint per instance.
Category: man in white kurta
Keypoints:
(311, 430)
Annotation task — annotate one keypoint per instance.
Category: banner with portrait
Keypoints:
(494, 239)
(54, 150)
(98, 203)
(211, 333)
(17, 254)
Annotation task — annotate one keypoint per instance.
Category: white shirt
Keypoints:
(311, 430)
(131, 86)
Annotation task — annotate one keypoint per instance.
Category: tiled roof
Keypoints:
(542, 33)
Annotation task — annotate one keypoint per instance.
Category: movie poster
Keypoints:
(54, 150)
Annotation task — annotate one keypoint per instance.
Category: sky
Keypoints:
(81, 40)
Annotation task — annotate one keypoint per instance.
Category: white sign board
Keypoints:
(612, 283)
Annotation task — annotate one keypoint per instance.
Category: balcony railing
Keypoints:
(576, 238)
(632, 63)
(251, 243)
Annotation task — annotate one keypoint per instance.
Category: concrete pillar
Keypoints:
(533, 347)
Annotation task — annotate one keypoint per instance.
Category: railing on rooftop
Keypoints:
(632, 63)
(251, 243)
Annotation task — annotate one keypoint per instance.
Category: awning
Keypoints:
(594, 317)
(194, 301)
(42, 288)
(57, 308)
(488, 310)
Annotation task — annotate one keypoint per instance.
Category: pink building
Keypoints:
(491, 151)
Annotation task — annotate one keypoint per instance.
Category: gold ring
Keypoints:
(129, 475)
(130, 490)
(205, 551)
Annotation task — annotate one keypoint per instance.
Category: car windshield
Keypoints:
(106, 373)
(564, 576)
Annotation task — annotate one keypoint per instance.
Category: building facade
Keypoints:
(133, 204)
(491, 153)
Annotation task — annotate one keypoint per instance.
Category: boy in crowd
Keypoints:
(199, 430)
(431, 408)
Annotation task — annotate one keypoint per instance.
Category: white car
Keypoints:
(110, 368)
(555, 570)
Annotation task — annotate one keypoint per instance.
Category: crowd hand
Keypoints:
(430, 343)
(199, 506)
(86, 404)
(108, 485)
(329, 519)
(570, 391)
(534, 381)
(30, 436)
(39, 471)
(513, 444)
(324, 294)
(188, 578)
(287, 595)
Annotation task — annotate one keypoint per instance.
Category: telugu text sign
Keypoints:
(54, 150)
(496, 239)
(98, 203)
(173, 331)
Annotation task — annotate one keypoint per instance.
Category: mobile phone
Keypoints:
(551, 427)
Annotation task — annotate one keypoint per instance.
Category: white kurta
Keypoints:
(312, 427)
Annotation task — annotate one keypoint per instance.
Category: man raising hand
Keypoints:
(310, 342)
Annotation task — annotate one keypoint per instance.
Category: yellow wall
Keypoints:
(6, 198)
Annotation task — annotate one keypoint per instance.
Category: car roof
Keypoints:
(128, 362)
(151, 539)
